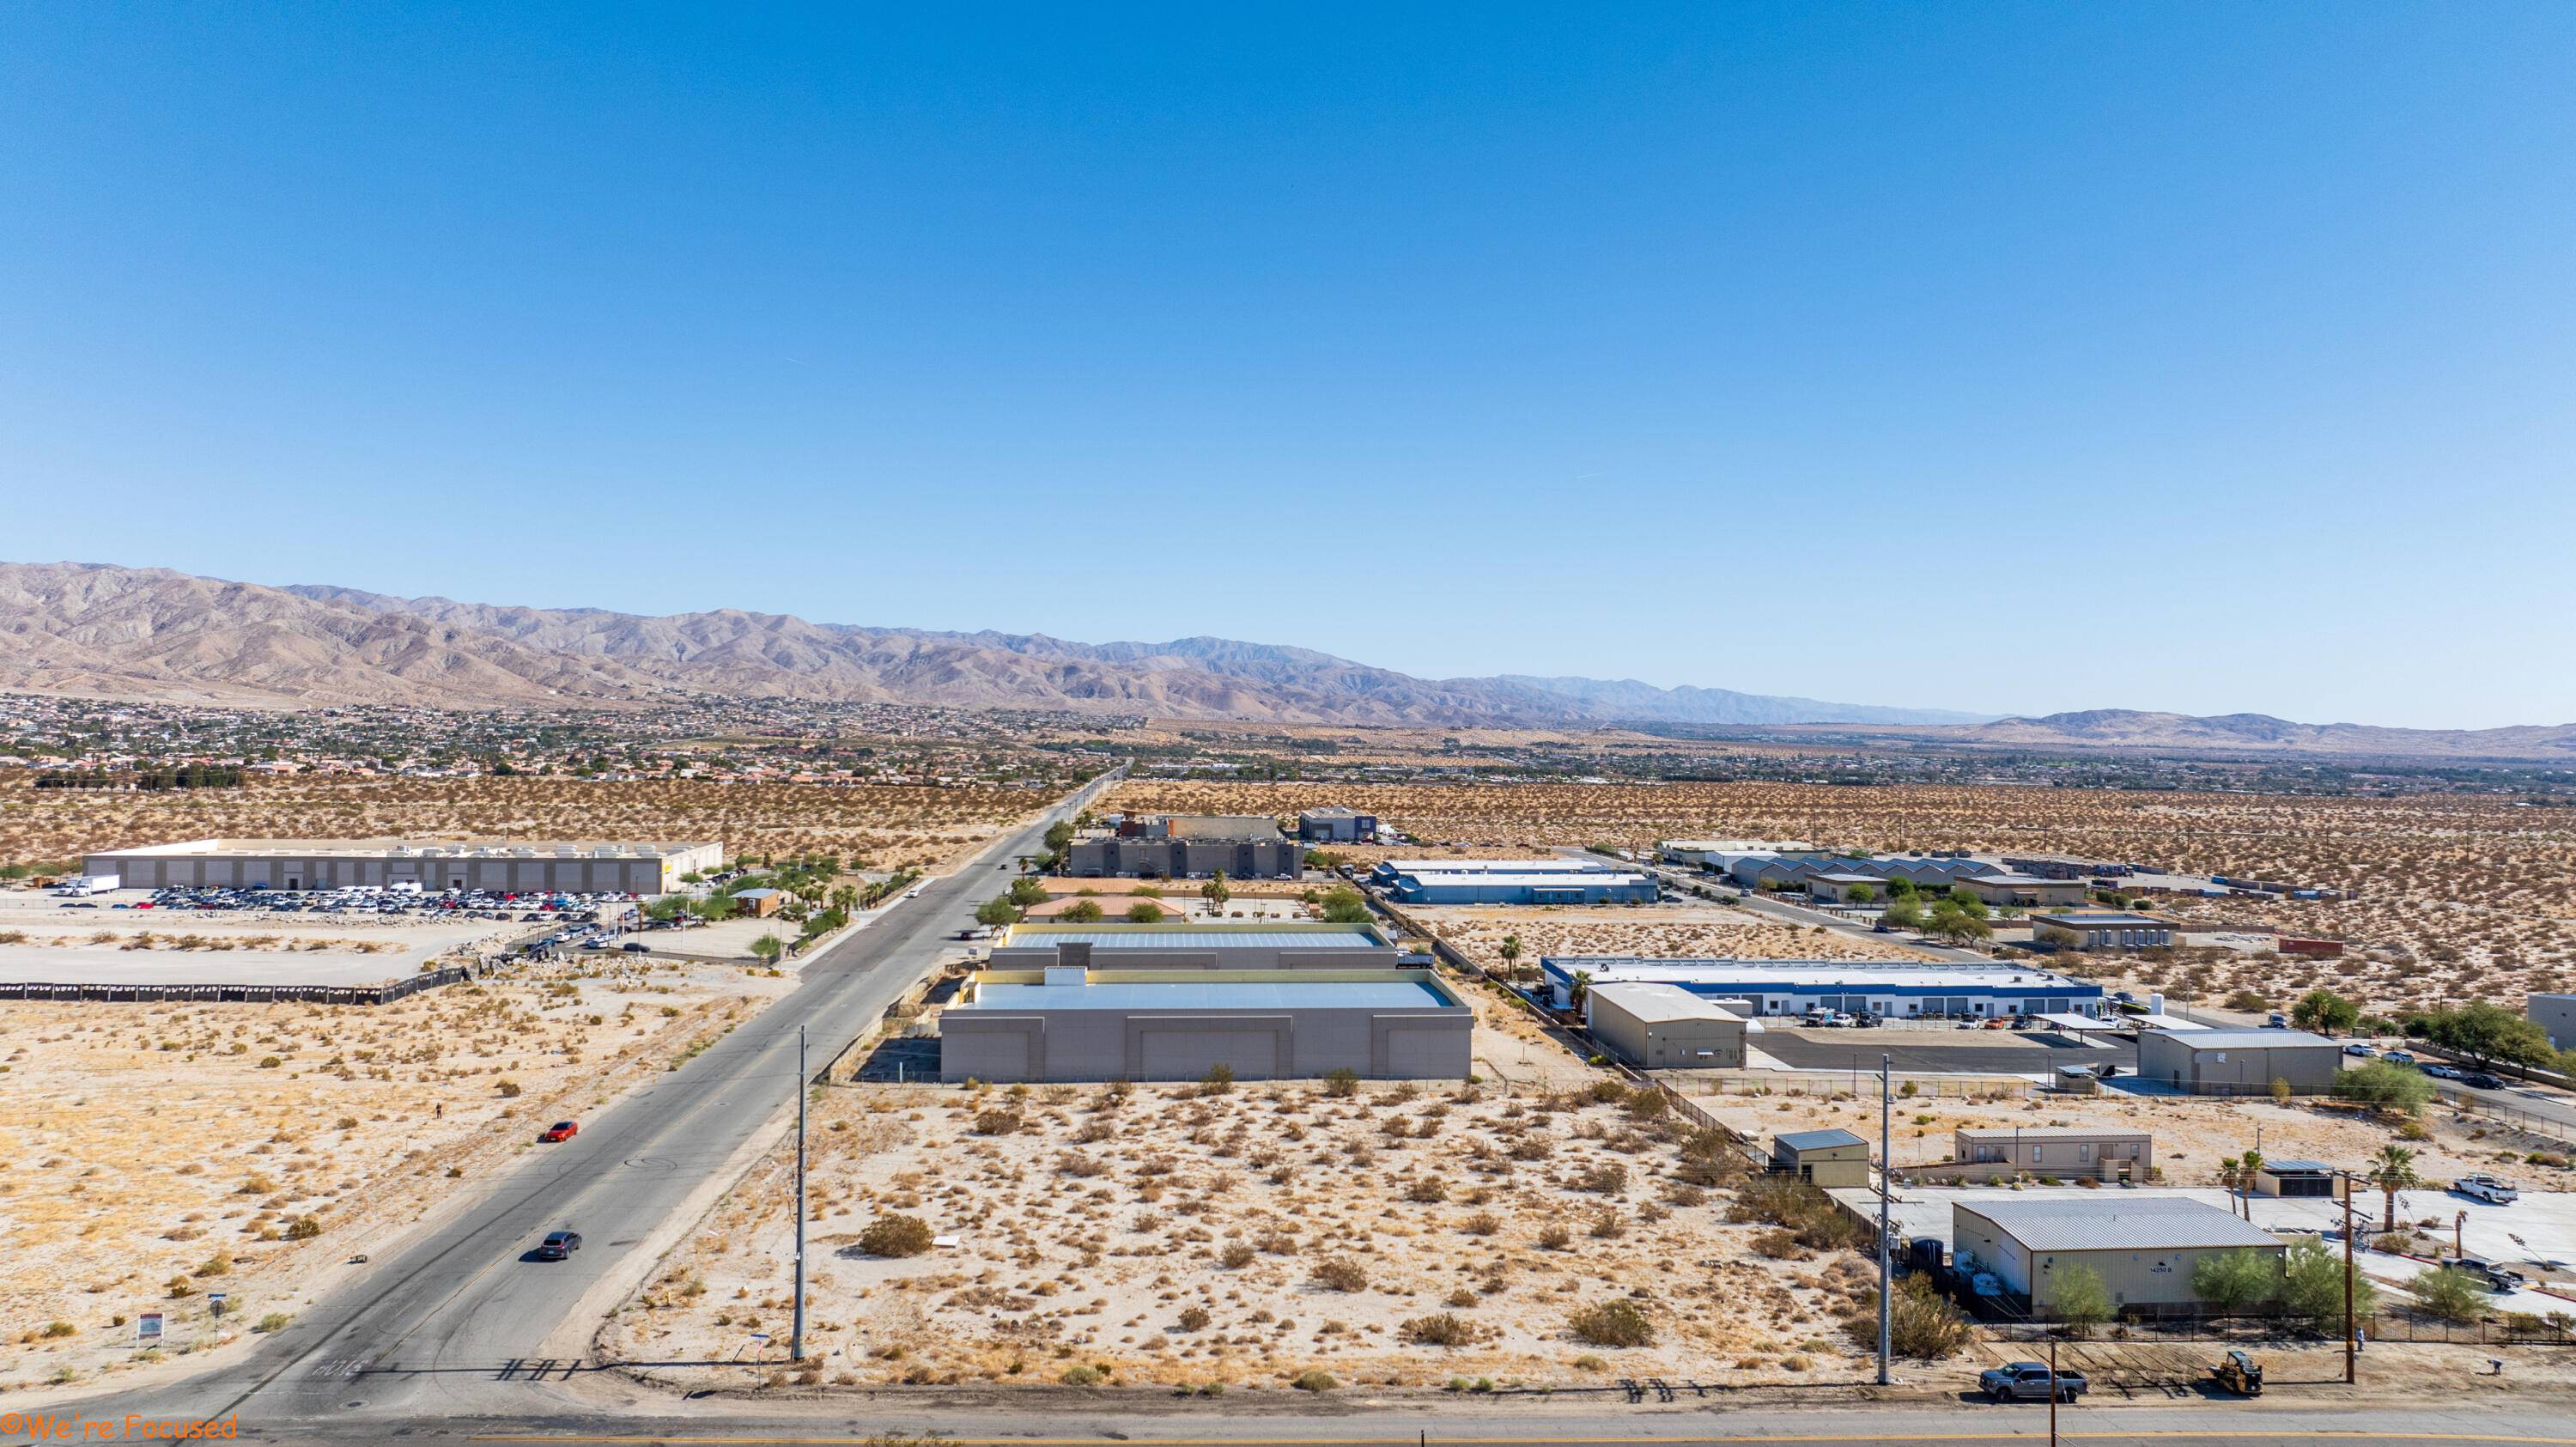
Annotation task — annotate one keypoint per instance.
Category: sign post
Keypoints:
(215, 1302)
(147, 1328)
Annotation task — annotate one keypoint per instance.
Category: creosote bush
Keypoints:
(895, 1236)
(1616, 1323)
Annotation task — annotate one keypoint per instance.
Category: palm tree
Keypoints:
(1511, 951)
(2392, 1170)
(2249, 1173)
(2230, 1175)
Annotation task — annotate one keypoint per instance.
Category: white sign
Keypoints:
(148, 1328)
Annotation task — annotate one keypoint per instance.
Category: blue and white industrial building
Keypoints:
(1511, 881)
(1894, 990)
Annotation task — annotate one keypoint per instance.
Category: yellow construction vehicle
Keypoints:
(2240, 1374)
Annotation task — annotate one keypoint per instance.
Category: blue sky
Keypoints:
(2017, 358)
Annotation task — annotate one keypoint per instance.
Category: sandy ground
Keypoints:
(2454, 897)
(1168, 1236)
(161, 1152)
(1655, 931)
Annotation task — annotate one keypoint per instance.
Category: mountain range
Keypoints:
(101, 630)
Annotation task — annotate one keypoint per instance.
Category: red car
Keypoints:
(562, 1130)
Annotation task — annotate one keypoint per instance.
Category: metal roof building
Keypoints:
(1068, 1024)
(503, 866)
(1790, 987)
(1512, 881)
(2239, 1062)
(2143, 1247)
(1195, 946)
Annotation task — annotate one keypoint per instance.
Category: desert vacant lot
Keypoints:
(159, 1152)
(867, 827)
(2455, 898)
(1657, 931)
(1395, 1236)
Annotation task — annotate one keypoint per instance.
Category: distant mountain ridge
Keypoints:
(105, 631)
(150, 632)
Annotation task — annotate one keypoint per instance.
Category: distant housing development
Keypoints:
(502, 866)
(1511, 881)
(1790, 987)
(1186, 846)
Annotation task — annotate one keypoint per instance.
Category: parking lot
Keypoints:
(263, 937)
(1981, 1052)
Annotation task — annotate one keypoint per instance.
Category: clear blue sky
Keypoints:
(2019, 358)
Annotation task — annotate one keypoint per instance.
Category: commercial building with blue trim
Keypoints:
(1896, 991)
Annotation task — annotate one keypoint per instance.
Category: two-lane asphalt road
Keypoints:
(447, 1313)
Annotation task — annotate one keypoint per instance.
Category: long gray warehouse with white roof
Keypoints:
(503, 866)
(1896, 990)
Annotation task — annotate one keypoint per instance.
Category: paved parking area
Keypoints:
(1980, 1052)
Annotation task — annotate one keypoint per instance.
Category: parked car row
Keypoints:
(467, 904)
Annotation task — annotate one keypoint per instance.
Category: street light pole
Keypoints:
(796, 1335)
(1886, 1160)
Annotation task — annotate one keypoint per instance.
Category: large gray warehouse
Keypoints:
(1195, 946)
(502, 866)
(2238, 1062)
(1186, 846)
(1071, 1024)
(2143, 1246)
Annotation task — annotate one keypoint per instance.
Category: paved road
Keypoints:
(428, 1330)
(1085, 1421)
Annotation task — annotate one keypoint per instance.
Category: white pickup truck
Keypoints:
(2486, 1188)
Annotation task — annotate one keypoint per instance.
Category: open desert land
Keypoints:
(161, 1152)
(1652, 931)
(1398, 1236)
(2453, 897)
(877, 826)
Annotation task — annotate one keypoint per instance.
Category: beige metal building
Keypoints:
(2239, 1062)
(2301, 1178)
(505, 866)
(2105, 1153)
(2143, 1246)
(1664, 1027)
(1828, 1158)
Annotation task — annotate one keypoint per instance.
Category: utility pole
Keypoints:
(796, 1335)
(1886, 1185)
(2350, 1326)
(2052, 1392)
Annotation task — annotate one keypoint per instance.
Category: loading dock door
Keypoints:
(1190, 1052)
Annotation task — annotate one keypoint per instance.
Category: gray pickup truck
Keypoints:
(2028, 1382)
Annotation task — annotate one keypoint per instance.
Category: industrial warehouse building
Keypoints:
(2022, 891)
(1793, 987)
(2555, 1014)
(501, 866)
(1511, 881)
(1271, 946)
(1185, 846)
(2144, 1247)
(2104, 929)
(1071, 1024)
(2238, 1062)
(1663, 1027)
(1336, 825)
